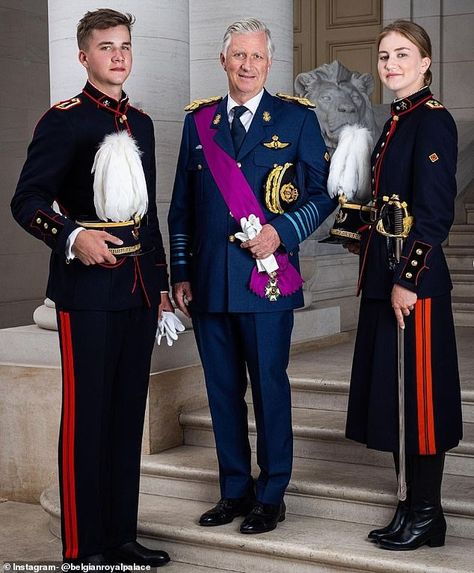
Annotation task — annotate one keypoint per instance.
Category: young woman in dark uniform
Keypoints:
(415, 158)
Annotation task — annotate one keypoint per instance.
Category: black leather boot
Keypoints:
(425, 523)
(403, 507)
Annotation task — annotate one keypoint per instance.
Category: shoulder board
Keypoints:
(296, 99)
(434, 104)
(198, 103)
(68, 104)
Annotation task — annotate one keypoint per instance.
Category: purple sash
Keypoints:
(241, 201)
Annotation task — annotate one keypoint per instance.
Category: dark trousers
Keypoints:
(228, 345)
(105, 366)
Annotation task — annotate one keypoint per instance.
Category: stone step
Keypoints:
(461, 236)
(469, 213)
(300, 544)
(318, 488)
(463, 283)
(316, 394)
(463, 309)
(459, 258)
(320, 435)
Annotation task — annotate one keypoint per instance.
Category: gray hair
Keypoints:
(248, 26)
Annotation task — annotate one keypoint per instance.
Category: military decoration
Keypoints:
(272, 292)
(433, 158)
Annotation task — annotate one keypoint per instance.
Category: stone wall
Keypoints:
(23, 98)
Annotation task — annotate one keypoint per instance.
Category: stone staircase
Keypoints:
(339, 489)
(460, 256)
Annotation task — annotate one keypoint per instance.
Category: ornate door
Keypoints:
(344, 30)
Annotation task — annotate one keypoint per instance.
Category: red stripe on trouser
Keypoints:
(424, 378)
(68, 430)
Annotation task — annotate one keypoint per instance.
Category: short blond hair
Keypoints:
(101, 19)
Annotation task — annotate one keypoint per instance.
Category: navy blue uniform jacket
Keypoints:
(203, 249)
(58, 168)
(418, 163)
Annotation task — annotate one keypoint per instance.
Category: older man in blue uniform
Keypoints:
(107, 303)
(243, 318)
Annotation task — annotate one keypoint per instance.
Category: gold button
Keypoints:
(38, 220)
(395, 118)
(54, 230)
(199, 167)
(419, 252)
(231, 238)
(414, 263)
(239, 165)
(45, 225)
(408, 275)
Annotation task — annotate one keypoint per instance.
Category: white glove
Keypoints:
(251, 227)
(169, 326)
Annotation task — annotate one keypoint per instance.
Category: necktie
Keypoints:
(237, 129)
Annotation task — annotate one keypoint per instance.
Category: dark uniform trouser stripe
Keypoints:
(424, 378)
(68, 428)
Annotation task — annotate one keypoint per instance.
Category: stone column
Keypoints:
(159, 82)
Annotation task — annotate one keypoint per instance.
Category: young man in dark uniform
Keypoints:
(107, 304)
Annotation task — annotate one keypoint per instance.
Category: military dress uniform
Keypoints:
(107, 317)
(235, 328)
(415, 158)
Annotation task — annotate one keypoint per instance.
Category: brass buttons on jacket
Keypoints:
(231, 238)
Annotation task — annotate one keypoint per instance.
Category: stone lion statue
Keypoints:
(342, 97)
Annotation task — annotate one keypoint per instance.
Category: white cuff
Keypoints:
(70, 242)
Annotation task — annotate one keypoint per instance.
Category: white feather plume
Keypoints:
(120, 190)
(349, 173)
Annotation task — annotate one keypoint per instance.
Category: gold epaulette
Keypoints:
(68, 104)
(295, 99)
(198, 103)
(434, 104)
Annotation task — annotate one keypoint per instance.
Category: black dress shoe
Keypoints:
(263, 517)
(132, 553)
(397, 523)
(226, 509)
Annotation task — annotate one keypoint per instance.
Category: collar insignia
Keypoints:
(266, 116)
(217, 119)
(275, 143)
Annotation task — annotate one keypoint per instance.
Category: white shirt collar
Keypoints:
(252, 105)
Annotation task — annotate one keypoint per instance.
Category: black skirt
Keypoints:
(433, 421)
